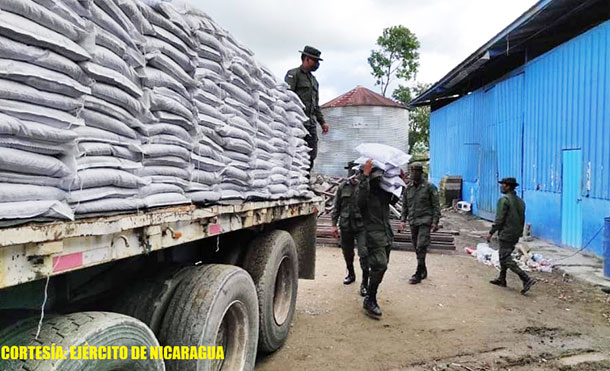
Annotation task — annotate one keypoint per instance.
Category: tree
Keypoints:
(419, 118)
(396, 57)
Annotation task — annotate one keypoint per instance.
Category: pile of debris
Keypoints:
(528, 261)
(326, 187)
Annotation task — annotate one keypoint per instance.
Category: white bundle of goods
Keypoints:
(388, 159)
(109, 106)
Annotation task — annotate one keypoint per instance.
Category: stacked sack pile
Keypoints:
(117, 105)
(41, 96)
(388, 159)
(171, 60)
(110, 142)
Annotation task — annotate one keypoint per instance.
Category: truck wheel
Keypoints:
(303, 232)
(96, 329)
(148, 300)
(214, 305)
(272, 262)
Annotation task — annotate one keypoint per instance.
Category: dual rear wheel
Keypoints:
(241, 310)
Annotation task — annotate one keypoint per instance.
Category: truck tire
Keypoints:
(303, 232)
(272, 262)
(148, 300)
(77, 329)
(214, 305)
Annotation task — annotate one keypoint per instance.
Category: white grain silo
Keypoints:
(359, 116)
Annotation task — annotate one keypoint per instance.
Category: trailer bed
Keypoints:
(38, 250)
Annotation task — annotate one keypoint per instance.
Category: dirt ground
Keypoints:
(454, 320)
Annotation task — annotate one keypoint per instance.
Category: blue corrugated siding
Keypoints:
(567, 108)
(559, 101)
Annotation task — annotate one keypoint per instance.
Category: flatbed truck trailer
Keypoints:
(177, 282)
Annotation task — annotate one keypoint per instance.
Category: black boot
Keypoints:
(501, 280)
(364, 286)
(498, 282)
(527, 285)
(351, 275)
(424, 270)
(371, 306)
(417, 272)
(416, 278)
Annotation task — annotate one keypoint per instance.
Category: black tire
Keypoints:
(303, 232)
(76, 329)
(148, 300)
(214, 305)
(272, 262)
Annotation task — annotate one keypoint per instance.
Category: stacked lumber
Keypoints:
(440, 240)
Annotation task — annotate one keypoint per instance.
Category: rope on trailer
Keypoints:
(44, 301)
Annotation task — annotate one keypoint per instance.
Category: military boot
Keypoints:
(501, 280)
(424, 270)
(371, 306)
(416, 278)
(527, 285)
(498, 282)
(364, 286)
(351, 275)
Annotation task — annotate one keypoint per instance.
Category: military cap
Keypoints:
(416, 166)
(312, 52)
(350, 165)
(509, 181)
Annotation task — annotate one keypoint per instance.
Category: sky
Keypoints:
(346, 31)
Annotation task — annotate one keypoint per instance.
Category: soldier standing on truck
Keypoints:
(375, 209)
(510, 218)
(421, 208)
(346, 213)
(304, 84)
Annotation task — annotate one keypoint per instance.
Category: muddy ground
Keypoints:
(454, 320)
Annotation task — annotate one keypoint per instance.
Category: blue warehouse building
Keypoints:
(533, 103)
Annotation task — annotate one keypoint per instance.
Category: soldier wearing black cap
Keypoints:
(375, 209)
(346, 213)
(510, 219)
(421, 208)
(304, 84)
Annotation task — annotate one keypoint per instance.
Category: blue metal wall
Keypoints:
(519, 127)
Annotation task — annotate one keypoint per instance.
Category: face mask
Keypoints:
(315, 66)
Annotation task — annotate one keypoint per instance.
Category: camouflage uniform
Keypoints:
(346, 213)
(421, 208)
(305, 85)
(510, 218)
(375, 208)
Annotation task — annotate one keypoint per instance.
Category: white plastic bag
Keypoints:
(383, 153)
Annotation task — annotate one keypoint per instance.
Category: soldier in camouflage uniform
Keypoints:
(375, 209)
(346, 212)
(421, 208)
(510, 218)
(304, 84)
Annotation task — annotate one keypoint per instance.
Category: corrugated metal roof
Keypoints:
(544, 26)
(361, 96)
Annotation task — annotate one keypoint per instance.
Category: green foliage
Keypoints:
(397, 56)
(419, 118)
